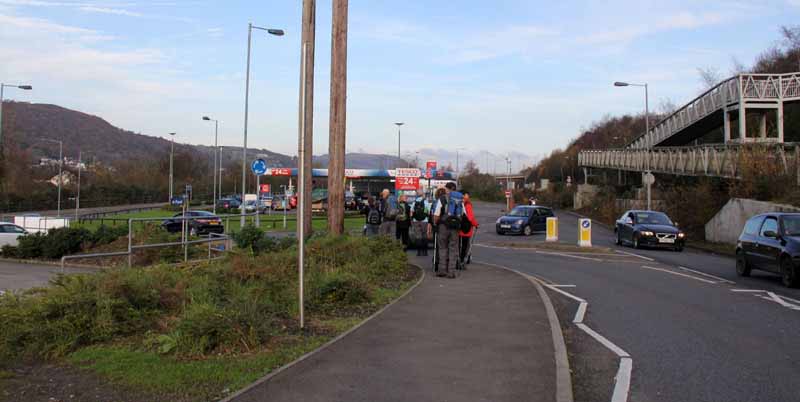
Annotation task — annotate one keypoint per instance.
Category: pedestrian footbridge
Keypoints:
(749, 108)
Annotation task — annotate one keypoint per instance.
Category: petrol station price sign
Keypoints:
(407, 179)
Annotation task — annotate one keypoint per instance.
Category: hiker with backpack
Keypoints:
(467, 230)
(403, 220)
(387, 206)
(373, 220)
(433, 228)
(448, 216)
(419, 222)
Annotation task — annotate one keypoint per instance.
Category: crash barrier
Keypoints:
(552, 230)
(584, 232)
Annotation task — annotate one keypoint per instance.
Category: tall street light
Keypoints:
(171, 152)
(274, 32)
(60, 167)
(216, 156)
(399, 124)
(2, 87)
(458, 167)
(646, 102)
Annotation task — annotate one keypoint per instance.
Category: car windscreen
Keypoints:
(791, 225)
(652, 218)
(519, 211)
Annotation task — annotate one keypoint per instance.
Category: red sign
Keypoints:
(281, 172)
(265, 188)
(406, 183)
(430, 169)
(508, 194)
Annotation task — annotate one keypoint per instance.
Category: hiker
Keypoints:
(419, 222)
(373, 218)
(448, 216)
(388, 210)
(467, 230)
(433, 228)
(403, 220)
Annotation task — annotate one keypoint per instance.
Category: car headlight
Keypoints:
(519, 222)
(498, 220)
(681, 235)
(646, 233)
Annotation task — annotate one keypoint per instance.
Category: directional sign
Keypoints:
(259, 166)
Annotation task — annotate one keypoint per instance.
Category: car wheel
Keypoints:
(618, 240)
(499, 232)
(636, 241)
(527, 230)
(742, 267)
(788, 273)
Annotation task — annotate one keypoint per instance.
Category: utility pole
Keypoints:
(78, 196)
(306, 140)
(338, 118)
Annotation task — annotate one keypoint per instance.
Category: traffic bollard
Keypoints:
(552, 230)
(584, 232)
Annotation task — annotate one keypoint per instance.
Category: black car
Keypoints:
(648, 229)
(770, 242)
(524, 219)
(203, 222)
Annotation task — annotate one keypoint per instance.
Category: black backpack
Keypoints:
(419, 211)
(374, 216)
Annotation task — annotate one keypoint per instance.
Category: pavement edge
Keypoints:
(328, 344)
(563, 373)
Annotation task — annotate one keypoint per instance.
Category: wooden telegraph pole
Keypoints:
(306, 118)
(338, 118)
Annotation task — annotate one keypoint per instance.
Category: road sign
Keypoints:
(585, 235)
(265, 188)
(508, 194)
(430, 169)
(406, 183)
(259, 167)
(176, 201)
(649, 179)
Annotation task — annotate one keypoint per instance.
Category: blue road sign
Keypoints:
(586, 224)
(176, 201)
(259, 166)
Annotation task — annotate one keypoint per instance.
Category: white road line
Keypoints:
(600, 338)
(569, 255)
(581, 313)
(720, 279)
(780, 301)
(636, 255)
(623, 380)
(678, 274)
(563, 286)
(571, 296)
(747, 290)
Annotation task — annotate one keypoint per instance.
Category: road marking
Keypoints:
(772, 297)
(747, 290)
(603, 340)
(779, 300)
(569, 255)
(636, 255)
(679, 274)
(720, 279)
(623, 380)
(581, 313)
(563, 286)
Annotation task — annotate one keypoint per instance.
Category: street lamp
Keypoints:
(458, 167)
(171, 152)
(216, 155)
(60, 166)
(274, 32)
(2, 87)
(400, 124)
(646, 102)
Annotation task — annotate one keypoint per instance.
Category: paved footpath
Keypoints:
(484, 336)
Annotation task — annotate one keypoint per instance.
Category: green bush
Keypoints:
(9, 251)
(108, 234)
(63, 241)
(230, 306)
(31, 246)
(256, 241)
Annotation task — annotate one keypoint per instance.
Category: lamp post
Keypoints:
(60, 168)
(508, 183)
(2, 87)
(216, 156)
(458, 167)
(646, 102)
(399, 124)
(171, 152)
(274, 32)
(78, 196)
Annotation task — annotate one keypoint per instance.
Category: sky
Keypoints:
(496, 76)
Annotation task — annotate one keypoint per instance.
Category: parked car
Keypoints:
(9, 233)
(251, 206)
(279, 203)
(228, 203)
(770, 242)
(524, 219)
(266, 203)
(202, 222)
(648, 229)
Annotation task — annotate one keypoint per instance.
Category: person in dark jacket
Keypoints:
(372, 228)
(433, 227)
(403, 221)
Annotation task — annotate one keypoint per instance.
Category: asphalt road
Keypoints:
(19, 276)
(690, 335)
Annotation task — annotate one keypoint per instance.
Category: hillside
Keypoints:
(26, 123)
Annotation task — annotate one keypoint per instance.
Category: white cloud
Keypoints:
(113, 11)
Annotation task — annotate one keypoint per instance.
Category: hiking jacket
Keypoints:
(471, 217)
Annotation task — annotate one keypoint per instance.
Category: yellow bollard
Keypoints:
(552, 230)
(584, 233)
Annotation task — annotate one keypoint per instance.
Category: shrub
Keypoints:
(108, 234)
(9, 251)
(338, 290)
(30, 246)
(256, 241)
(63, 241)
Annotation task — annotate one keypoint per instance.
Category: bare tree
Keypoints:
(709, 77)
(737, 67)
(666, 106)
(791, 37)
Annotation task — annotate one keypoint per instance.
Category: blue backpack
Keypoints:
(454, 210)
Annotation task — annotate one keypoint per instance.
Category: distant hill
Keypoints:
(363, 161)
(26, 123)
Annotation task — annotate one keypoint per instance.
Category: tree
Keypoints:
(709, 77)
(471, 168)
